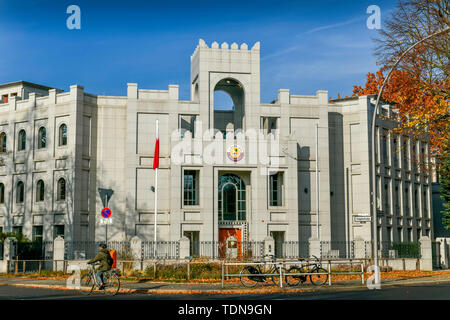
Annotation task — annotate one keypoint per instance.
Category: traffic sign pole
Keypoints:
(106, 224)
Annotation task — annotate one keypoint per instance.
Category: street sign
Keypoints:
(105, 195)
(362, 218)
(105, 221)
(106, 213)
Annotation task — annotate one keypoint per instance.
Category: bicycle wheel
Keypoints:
(248, 277)
(112, 284)
(86, 284)
(295, 280)
(276, 275)
(319, 276)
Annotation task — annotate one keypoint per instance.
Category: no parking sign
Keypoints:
(106, 213)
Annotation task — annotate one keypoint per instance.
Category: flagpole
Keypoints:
(156, 193)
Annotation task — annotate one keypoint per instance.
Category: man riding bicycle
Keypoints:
(101, 257)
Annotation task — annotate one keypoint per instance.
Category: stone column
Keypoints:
(426, 254)
(359, 248)
(9, 248)
(314, 247)
(269, 246)
(58, 254)
(184, 245)
(445, 242)
(136, 251)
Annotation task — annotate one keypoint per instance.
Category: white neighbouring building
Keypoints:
(57, 148)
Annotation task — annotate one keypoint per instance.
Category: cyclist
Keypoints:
(101, 257)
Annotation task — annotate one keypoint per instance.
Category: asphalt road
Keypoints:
(416, 292)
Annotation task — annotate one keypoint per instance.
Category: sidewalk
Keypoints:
(230, 288)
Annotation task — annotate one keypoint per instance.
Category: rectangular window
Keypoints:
(58, 231)
(1, 229)
(417, 211)
(397, 197)
(276, 189)
(389, 234)
(268, 124)
(396, 151)
(5, 98)
(384, 147)
(191, 187)
(17, 229)
(187, 124)
(387, 195)
(37, 233)
(425, 201)
(405, 152)
(406, 199)
(410, 235)
(399, 234)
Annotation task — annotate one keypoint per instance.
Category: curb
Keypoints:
(162, 291)
(231, 291)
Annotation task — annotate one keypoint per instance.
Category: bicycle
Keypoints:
(318, 275)
(251, 275)
(111, 282)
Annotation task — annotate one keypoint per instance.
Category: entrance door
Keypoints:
(193, 237)
(230, 242)
(278, 236)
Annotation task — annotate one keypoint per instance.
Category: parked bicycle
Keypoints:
(317, 275)
(110, 280)
(251, 275)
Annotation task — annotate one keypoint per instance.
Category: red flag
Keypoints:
(156, 157)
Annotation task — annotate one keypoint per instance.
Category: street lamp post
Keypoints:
(374, 182)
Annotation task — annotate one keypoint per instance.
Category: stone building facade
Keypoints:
(247, 173)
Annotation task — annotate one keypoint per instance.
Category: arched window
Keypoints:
(232, 202)
(40, 188)
(229, 106)
(42, 138)
(2, 193)
(22, 142)
(2, 142)
(62, 135)
(20, 192)
(61, 189)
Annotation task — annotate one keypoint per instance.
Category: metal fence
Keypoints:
(337, 249)
(231, 250)
(89, 249)
(164, 250)
(395, 250)
(249, 250)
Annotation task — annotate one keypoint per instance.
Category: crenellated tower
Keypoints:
(232, 69)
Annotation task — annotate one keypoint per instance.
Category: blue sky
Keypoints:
(305, 45)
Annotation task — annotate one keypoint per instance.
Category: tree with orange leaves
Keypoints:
(419, 88)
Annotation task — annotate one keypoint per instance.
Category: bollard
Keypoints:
(189, 270)
(154, 270)
(329, 272)
(281, 277)
(362, 272)
(40, 266)
(223, 274)
(17, 267)
(24, 266)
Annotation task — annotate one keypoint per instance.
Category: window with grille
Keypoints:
(22, 140)
(191, 188)
(276, 189)
(42, 138)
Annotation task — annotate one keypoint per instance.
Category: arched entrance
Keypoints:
(229, 117)
(232, 214)
(232, 198)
